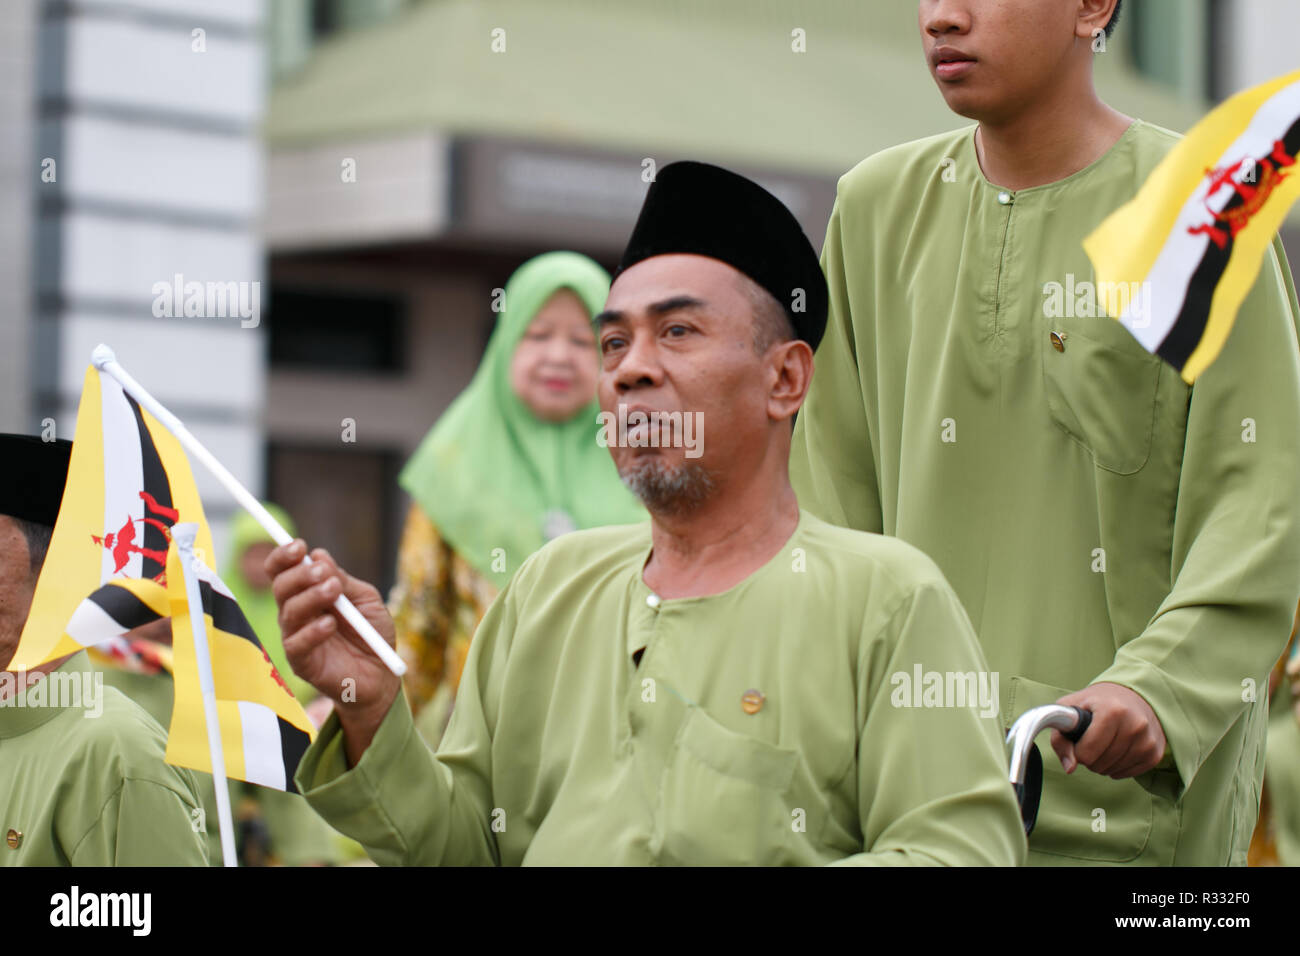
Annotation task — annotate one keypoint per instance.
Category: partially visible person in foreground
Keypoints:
(83, 780)
(509, 466)
(718, 686)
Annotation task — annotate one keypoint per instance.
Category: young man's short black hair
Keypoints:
(1114, 18)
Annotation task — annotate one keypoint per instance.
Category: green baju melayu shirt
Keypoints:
(86, 785)
(1099, 519)
(764, 725)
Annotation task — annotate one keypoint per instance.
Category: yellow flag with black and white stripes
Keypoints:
(264, 730)
(112, 569)
(1194, 238)
(129, 481)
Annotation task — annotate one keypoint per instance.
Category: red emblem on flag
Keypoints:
(1229, 222)
(275, 673)
(121, 544)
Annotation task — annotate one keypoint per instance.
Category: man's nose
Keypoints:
(640, 365)
(946, 16)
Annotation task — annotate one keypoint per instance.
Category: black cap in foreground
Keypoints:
(33, 473)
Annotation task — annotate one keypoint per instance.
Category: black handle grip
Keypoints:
(1081, 728)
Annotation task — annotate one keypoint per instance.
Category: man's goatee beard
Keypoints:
(664, 489)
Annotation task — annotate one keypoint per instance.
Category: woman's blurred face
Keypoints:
(555, 366)
(253, 563)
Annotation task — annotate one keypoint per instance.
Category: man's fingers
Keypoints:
(1097, 740)
(1115, 755)
(285, 557)
(298, 577)
(1064, 750)
(1143, 754)
(357, 590)
(1130, 768)
(306, 606)
(304, 640)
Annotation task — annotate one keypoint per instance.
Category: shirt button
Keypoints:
(652, 600)
(751, 702)
(14, 838)
(1058, 341)
(1004, 198)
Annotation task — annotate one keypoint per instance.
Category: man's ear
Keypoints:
(1094, 15)
(792, 363)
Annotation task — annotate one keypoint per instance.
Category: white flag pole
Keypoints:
(104, 360)
(183, 535)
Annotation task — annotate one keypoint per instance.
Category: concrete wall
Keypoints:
(151, 110)
(19, 175)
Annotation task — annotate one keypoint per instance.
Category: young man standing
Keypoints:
(1121, 541)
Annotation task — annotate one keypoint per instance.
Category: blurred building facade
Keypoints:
(380, 167)
(420, 150)
(133, 162)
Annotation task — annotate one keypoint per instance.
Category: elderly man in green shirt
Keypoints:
(83, 782)
(1122, 541)
(722, 685)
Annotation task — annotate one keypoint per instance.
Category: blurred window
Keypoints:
(358, 332)
(345, 500)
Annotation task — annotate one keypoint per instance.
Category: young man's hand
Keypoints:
(1124, 739)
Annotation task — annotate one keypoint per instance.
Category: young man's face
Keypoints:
(994, 58)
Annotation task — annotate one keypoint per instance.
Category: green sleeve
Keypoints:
(933, 787)
(832, 463)
(1236, 540)
(299, 837)
(144, 823)
(404, 804)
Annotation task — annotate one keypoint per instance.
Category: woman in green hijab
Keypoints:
(513, 463)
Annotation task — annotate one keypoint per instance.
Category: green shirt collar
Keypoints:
(28, 710)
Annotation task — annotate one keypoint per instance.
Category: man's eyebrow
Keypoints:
(662, 307)
(675, 303)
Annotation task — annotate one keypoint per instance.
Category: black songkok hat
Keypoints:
(709, 211)
(32, 475)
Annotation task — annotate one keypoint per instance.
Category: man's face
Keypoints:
(677, 336)
(17, 583)
(992, 58)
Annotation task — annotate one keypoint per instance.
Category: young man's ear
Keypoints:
(1097, 18)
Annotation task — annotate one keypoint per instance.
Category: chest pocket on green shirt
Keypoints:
(1101, 389)
(726, 798)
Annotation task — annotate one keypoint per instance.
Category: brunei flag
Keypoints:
(106, 574)
(1195, 236)
(264, 732)
(128, 482)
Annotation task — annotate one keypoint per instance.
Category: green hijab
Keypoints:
(497, 481)
(259, 605)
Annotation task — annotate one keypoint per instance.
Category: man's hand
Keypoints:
(1124, 739)
(323, 649)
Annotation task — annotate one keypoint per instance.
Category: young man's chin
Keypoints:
(963, 101)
